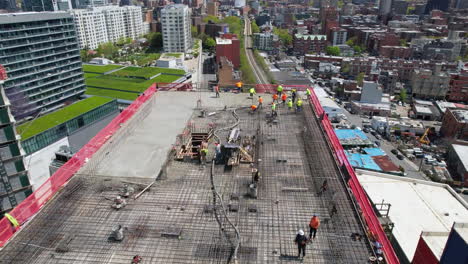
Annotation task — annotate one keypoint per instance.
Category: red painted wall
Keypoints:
(423, 254)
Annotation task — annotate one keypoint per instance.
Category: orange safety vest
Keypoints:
(217, 88)
(275, 97)
(253, 107)
(260, 100)
(314, 222)
(283, 97)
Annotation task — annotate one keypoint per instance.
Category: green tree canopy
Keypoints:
(333, 51)
(211, 18)
(194, 31)
(107, 50)
(156, 40)
(352, 41)
(284, 36)
(403, 43)
(360, 79)
(255, 28)
(209, 43)
(403, 95)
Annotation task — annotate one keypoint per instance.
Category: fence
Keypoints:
(368, 213)
(33, 203)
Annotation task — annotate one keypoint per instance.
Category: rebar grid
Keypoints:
(287, 198)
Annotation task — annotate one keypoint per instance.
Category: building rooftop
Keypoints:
(461, 115)
(352, 137)
(174, 220)
(41, 124)
(311, 37)
(462, 152)
(223, 41)
(416, 206)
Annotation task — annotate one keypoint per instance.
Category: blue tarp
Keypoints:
(362, 161)
(350, 134)
(374, 152)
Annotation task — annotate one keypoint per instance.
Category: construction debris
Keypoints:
(117, 233)
(119, 203)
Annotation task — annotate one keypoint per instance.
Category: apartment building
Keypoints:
(429, 84)
(41, 56)
(266, 41)
(108, 23)
(176, 28)
(14, 182)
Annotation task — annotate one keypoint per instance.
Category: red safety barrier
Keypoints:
(368, 213)
(174, 86)
(33, 203)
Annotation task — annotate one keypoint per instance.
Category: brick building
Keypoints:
(455, 124)
(227, 76)
(395, 52)
(430, 84)
(228, 46)
(458, 89)
(303, 44)
(212, 8)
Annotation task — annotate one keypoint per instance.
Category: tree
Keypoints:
(340, 4)
(284, 36)
(211, 18)
(360, 79)
(209, 43)
(194, 31)
(108, 50)
(333, 51)
(403, 95)
(403, 43)
(255, 28)
(352, 41)
(155, 40)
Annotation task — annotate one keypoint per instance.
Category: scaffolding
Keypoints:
(173, 221)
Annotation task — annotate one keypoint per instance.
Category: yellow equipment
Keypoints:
(424, 139)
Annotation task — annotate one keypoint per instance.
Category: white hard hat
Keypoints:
(301, 232)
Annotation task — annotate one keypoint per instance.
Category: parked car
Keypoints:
(458, 189)
(366, 130)
(394, 151)
(465, 191)
(377, 136)
(400, 157)
(377, 143)
(373, 133)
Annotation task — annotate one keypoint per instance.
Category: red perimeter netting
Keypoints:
(33, 203)
(368, 213)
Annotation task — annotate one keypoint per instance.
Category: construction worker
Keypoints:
(283, 98)
(308, 93)
(301, 241)
(273, 109)
(275, 97)
(253, 108)
(12, 220)
(252, 92)
(260, 102)
(239, 85)
(279, 90)
(218, 152)
(293, 95)
(314, 225)
(299, 105)
(323, 188)
(290, 104)
(217, 90)
(203, 154)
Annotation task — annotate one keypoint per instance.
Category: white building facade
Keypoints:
(176, 28)
(108, 24)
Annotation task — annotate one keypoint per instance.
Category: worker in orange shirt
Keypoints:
(253, 108)
(314, 225)
(283, 98)
(275, 98)
(260, 102)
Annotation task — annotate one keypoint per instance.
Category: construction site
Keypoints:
(147, 192)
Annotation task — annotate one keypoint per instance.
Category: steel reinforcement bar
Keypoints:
(33, 203)
(368, 213)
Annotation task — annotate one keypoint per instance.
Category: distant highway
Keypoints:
(257, 70)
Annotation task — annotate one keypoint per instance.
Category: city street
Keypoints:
(411, 169)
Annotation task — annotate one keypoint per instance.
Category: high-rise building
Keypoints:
(14, 182)
(385, 7)
(88, 3)
(212, 8)
(40, 54)
(108, 23)
(9, 5)
(46, 5)
(176, 28)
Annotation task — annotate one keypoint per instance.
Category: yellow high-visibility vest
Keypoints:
(299, 102)
(13, 220)
(308, 91)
